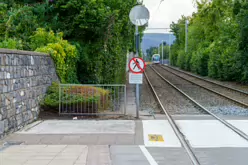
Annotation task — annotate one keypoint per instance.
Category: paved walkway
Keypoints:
(124, 142)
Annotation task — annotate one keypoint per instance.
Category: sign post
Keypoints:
(139, 16)
(136, 67)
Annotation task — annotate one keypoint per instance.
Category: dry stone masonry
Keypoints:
(24, 79)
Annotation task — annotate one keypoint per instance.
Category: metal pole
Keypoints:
(186, 36)
(162, 52)
(137, 85)
(169, 48)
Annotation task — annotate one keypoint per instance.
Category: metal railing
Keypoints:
(93, 99)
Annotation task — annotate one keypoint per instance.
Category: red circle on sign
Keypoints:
(141, 69)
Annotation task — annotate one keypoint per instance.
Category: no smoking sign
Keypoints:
(137, 65)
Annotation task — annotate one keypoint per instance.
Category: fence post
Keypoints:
(125, 100)
(59, 99)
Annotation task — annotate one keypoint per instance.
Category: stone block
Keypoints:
(1, 127)
(19, 119)
(11, 112)
(6, 125)
(4, 60)
(3, 112)
(12, 123)
(31, 60)
(18, 108)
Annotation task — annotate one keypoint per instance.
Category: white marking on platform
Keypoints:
(148, 156)
(82, 127)
(240, 124)
(159, 127)
(211, 133)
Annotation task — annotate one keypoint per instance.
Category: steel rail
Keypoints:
(218, 93)
(233, 128)
(200, 78)
(180, 136)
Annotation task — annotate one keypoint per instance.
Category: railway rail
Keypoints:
(184, 142)
(235, 95)
(175, 128)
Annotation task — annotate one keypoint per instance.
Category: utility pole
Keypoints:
(158, 49)
(137, 85)
(169, 47)
(186, 36)
(162, 52)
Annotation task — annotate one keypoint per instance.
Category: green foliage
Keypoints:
(217, 40)
(151, 51)
(11, 44)
(103, 33)
(100, 31)
(64, 54)
(181, 62)
(51, 100)
(76, 95)
(3, 15)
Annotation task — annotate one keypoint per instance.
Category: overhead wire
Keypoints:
(151, 18)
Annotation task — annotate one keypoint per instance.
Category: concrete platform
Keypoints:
(125, 142)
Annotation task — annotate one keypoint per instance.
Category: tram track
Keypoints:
(172, 100)
(235, 95)
(175, 128)
(173, 124)
(212, 101)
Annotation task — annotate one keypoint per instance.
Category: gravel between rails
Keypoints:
(211, 101)
(236, 85)
(172, 100)
(147, 99)
(228, 92)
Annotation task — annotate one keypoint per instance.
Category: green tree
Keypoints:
(100, 30)
(217, 40)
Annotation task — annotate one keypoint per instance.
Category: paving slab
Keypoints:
(44, 155)
(222, 156)
(127, 155)
(103, 143)
(169, 156)
(95, 139)
(82, 127)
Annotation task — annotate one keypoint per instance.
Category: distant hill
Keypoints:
(154, 39)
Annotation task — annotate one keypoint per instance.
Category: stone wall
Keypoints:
(24, 79)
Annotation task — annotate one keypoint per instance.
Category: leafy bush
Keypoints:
(76, 95)
(199, 62)
(217, 40)
(181, 62)
(11, 44)
(100, 30)
(63, 53)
